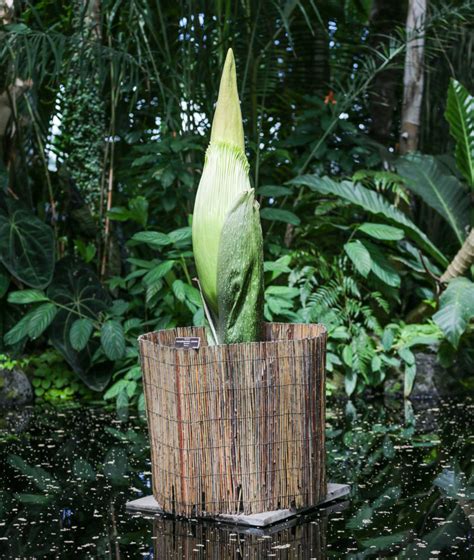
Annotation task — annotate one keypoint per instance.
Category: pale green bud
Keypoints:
(225, 187)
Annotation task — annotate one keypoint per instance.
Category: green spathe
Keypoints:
(226, 224)
(224, 178)
(239, 273)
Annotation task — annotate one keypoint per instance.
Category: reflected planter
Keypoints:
(178, 539)
(238, 428)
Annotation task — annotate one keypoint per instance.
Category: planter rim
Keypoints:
(153, 336)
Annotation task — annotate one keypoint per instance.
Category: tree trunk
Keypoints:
(385, 16)
(413, 78)
(462, 261)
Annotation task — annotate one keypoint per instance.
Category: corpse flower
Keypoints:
(227, 235)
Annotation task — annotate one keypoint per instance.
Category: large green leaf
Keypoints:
(33, 324)
(155, 239)
(456, 309)
(280, 215)
(240, 287)
(18, 332)
(112, 339)
(27, 296)
(26, 245)
(78, 290)
(382, 231)
(373, 203)
(460, 115)
(179, 290)
(359, 256)
(181, 237)
(158, 272)
(444, 193)
(80, 333)
(40, 318)
(381, 266)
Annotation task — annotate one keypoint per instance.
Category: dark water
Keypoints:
(65, 475)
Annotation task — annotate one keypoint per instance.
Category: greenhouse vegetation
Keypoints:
(105, 115)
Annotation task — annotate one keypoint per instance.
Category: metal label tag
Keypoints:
(187, 342)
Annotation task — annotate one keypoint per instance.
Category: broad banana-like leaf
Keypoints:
(444, 193)
(240, 286)
(220, 208)
(456, 309)
(374, 203)
(460, 115)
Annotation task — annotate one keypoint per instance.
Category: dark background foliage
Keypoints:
(108, 106)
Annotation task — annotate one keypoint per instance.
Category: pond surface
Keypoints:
(66, 473)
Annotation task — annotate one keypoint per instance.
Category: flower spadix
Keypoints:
(227, 236)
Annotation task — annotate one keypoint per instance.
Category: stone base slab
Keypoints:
(149, 505)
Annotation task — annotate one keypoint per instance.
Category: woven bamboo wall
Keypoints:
(236, 428)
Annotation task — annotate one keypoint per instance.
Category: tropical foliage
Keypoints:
(105, 114)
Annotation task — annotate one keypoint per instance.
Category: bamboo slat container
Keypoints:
(236, 428)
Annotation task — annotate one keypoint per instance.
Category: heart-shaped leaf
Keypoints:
(26, 245)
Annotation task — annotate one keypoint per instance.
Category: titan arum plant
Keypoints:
(227, 235)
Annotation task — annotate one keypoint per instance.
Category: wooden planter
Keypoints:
(239, 428)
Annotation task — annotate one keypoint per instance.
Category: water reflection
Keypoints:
(301, 538)
(66, 474)
(180, 539)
